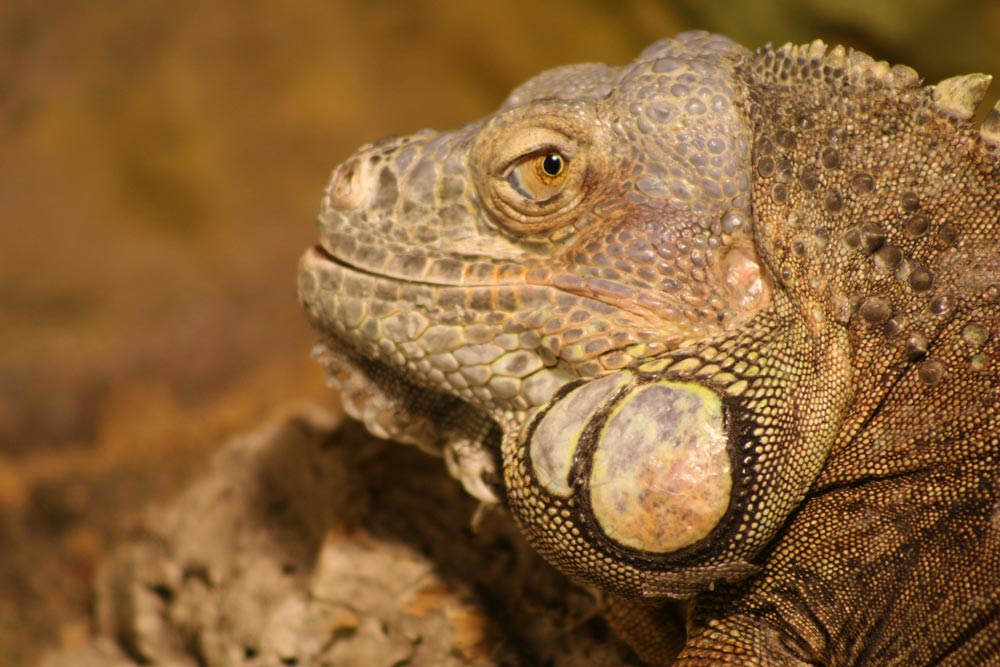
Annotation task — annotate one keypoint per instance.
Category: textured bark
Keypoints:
(310, 543)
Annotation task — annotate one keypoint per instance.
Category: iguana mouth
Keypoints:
(323, 252)
(392, 398)
(598, 295)
(326, 255)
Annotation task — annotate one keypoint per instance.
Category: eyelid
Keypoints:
(529, 201)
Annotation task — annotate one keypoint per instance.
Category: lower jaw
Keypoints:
(393, 408)
(389, 406)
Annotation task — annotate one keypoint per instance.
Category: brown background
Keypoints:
(160, 166)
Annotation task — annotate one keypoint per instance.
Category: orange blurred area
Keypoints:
(161, 164)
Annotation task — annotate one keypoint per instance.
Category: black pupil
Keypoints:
(552, 164)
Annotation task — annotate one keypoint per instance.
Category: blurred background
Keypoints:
(161, 163)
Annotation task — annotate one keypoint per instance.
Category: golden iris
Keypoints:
(539, 177)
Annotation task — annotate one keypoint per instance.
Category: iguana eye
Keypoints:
(539, 177)
(534, 169)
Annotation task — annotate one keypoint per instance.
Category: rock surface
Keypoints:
(309, 543)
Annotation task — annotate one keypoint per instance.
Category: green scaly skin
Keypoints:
(717, 325)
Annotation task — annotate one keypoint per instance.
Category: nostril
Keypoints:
(348, 189)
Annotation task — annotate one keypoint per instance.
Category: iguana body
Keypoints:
(727, 327)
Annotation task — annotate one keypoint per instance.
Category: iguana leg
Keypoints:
(897, 571)
(744, 642)
(654, 631)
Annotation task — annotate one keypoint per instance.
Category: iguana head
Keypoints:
(599, 217)
(599, 294)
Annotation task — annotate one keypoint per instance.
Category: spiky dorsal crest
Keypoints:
(957, 97)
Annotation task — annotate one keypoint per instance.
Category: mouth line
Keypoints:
(321, 253)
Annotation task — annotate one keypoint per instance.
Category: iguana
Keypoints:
(717, 326)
